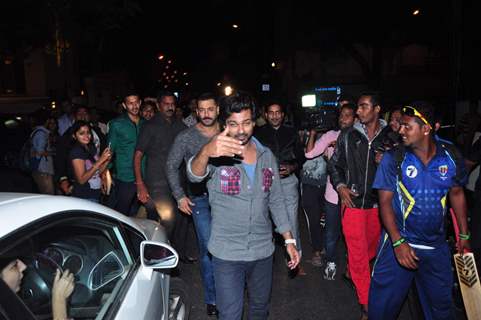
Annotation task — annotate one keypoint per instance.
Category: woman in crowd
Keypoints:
(87, 166)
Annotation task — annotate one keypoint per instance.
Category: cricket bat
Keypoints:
(468, 279)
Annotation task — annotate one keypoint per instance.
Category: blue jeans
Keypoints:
(202, 220)
(332, 230)
(230, 280)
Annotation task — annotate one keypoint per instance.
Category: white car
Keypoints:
(121, 264)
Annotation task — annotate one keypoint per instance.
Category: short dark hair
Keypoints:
(272, 102)
(235, 103)
(374, 96)
(131, 92)
(163, 94)
(77, 107)
(351, 106)
(207, 96)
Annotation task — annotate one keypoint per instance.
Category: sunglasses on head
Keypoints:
(412, 112)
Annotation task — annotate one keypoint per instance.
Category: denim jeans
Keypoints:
(332, 230)
(202, 220)
(312, 198)
(230, 280)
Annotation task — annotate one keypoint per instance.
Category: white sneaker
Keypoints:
(330, 271)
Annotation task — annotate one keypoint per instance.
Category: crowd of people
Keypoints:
(382, 186)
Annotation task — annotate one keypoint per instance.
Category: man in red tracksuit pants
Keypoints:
(352, 169)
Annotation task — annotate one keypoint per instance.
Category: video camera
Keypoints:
(320, 108)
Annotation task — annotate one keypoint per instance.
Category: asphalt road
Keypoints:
(300, 298)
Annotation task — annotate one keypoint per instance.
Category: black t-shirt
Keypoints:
(90, 189)
(155, 139)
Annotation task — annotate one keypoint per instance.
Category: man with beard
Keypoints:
(122, 138)
(155, 141)
(243, 182)
(286, 145)
(414, 184)
(194, 200)
(352, 168)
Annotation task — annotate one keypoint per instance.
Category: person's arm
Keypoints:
(142, 192)
(337, 166)
(403, 251)
(311, 141)
(39, 144)
(63, 286)
(143, 143)
(279, 214)
(174, 162)
(82, 176)
(319, 146)
(458, 203)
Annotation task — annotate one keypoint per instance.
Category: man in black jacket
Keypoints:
(352, 169)
(285, 143)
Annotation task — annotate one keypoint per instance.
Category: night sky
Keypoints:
(198, 37)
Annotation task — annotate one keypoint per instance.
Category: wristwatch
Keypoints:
(289, 241)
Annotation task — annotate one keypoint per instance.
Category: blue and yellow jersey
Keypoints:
(420, 195)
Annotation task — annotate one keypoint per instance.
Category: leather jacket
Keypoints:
(353, 162)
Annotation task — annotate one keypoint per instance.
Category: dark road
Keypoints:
(301, 298)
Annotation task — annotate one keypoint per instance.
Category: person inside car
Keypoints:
(12, 270)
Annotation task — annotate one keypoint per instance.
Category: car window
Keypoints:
(92, 248)
(135, 239)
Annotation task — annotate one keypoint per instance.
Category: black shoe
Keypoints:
(188, 260)
(211, 310)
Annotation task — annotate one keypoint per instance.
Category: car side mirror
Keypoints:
(156, 255)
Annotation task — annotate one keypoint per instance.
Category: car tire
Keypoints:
(179, 300)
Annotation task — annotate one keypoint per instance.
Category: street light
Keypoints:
(235, 26)
(161, 57)
(273, 64)
(228, 90)
(416, 12)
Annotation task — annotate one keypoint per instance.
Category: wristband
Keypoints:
(398, 243)
(290, 241)
(463, 236)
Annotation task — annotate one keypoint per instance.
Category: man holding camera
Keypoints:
(352, 169)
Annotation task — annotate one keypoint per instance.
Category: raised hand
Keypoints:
(223, 146)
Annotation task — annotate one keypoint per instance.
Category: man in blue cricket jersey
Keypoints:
(414, 183)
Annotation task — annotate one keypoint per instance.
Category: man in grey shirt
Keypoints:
(194, 200)
(243, 183)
